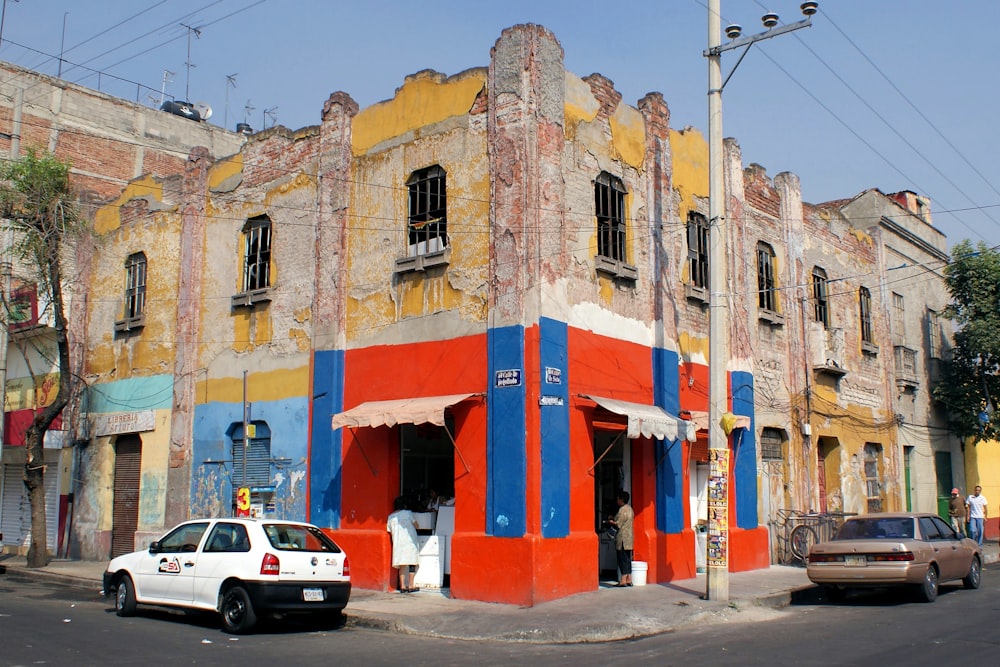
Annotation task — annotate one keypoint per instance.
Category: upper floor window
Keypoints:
(135, 285)
(767, 295)
(257, 254)
(821, 304)
(135, 293)
(609, 204)
(933, 334)
(697, 238)
(898, 320)
(427, 223)
(865, 316)
(873, 475)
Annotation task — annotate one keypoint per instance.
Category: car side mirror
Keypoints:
(154, 547)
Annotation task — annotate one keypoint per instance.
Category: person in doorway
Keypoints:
(433, 500)
(976, 507)
(405, 550)
(625, 539)
(956, 512)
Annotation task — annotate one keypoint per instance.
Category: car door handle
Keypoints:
(189, 564)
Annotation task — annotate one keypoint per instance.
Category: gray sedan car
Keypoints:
(914, 550)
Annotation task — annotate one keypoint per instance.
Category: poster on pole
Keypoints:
(718, 508)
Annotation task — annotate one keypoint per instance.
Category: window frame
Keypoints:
(258, 248)
(865, 321)
(698, 251)
(611, 218)
(427, 241)
(821, 296)
(134, 297)
(768, 305)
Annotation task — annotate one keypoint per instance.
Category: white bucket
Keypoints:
(639, 569)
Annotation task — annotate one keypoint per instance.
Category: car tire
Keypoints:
(835, 593)
(927, 591)
(975, 575)
(236, 610)
(125, 597)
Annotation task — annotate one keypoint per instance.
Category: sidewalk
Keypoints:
(606, 614)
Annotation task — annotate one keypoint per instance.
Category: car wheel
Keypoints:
(975, 575)
(928, 590)
(835, 593)
(237, 612)
(125, 597)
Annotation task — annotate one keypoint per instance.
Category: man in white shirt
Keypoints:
(976, 506)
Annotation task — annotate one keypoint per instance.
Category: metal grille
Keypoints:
(609, 204)
(125, 506)
(770, 444)
(428, 210)
(258, 463)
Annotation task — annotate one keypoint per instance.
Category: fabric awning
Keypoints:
(421, 410)
(700, 419)
(648, 421)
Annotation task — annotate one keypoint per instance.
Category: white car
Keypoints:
(241, 568)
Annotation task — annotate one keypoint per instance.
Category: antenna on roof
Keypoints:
(188, 63)
(271, 113)
(230, 82)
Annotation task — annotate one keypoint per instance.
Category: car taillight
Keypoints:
(347, 566)
(270, 564)
(892, 558)
(824, 558)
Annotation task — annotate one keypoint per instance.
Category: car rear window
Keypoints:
(294, 537)
(873, 529)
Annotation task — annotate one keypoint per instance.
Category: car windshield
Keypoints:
(879, 528)
(295, 537)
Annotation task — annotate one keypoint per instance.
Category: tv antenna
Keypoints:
(230, 83)
(271, 113)
(247, 109)
(188, 63)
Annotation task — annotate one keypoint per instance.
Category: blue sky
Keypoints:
(893, 94)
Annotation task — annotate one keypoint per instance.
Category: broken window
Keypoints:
(821, 309)
(767, 296)
(609, 204)
(427, 229)
(697, 239)
(257, 256)
(865, 312)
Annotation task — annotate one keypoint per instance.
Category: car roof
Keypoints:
(247, 520)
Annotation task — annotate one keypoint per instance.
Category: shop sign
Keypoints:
(124, 422)
(550, 400)
(508, 378)
(553, 375)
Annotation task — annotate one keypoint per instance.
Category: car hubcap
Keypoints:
(234, 609)
(120, 598)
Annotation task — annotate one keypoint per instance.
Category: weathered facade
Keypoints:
(108, 142)
(516, 255)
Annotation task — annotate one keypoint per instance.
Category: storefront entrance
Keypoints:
(612, 473)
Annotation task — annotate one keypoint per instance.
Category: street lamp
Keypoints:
(717, 570)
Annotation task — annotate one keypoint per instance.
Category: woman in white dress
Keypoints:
(405, 551)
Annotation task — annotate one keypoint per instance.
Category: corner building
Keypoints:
(493, 285)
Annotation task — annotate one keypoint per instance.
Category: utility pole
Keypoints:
(719, 456)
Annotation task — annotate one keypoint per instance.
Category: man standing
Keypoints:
(976, 506)
(956, 512)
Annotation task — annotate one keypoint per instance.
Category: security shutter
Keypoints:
(125, 507)
(258, 460)
(15, 514)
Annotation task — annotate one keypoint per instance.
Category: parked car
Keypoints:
(914, 550)
(241, 568)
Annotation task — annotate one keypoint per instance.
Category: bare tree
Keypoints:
(36, 201)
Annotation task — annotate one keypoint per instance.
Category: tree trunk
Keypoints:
(34, 481)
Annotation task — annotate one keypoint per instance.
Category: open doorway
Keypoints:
(612, 473)
(427, 482)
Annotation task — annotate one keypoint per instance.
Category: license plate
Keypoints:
(855, 561)
(312, 594)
